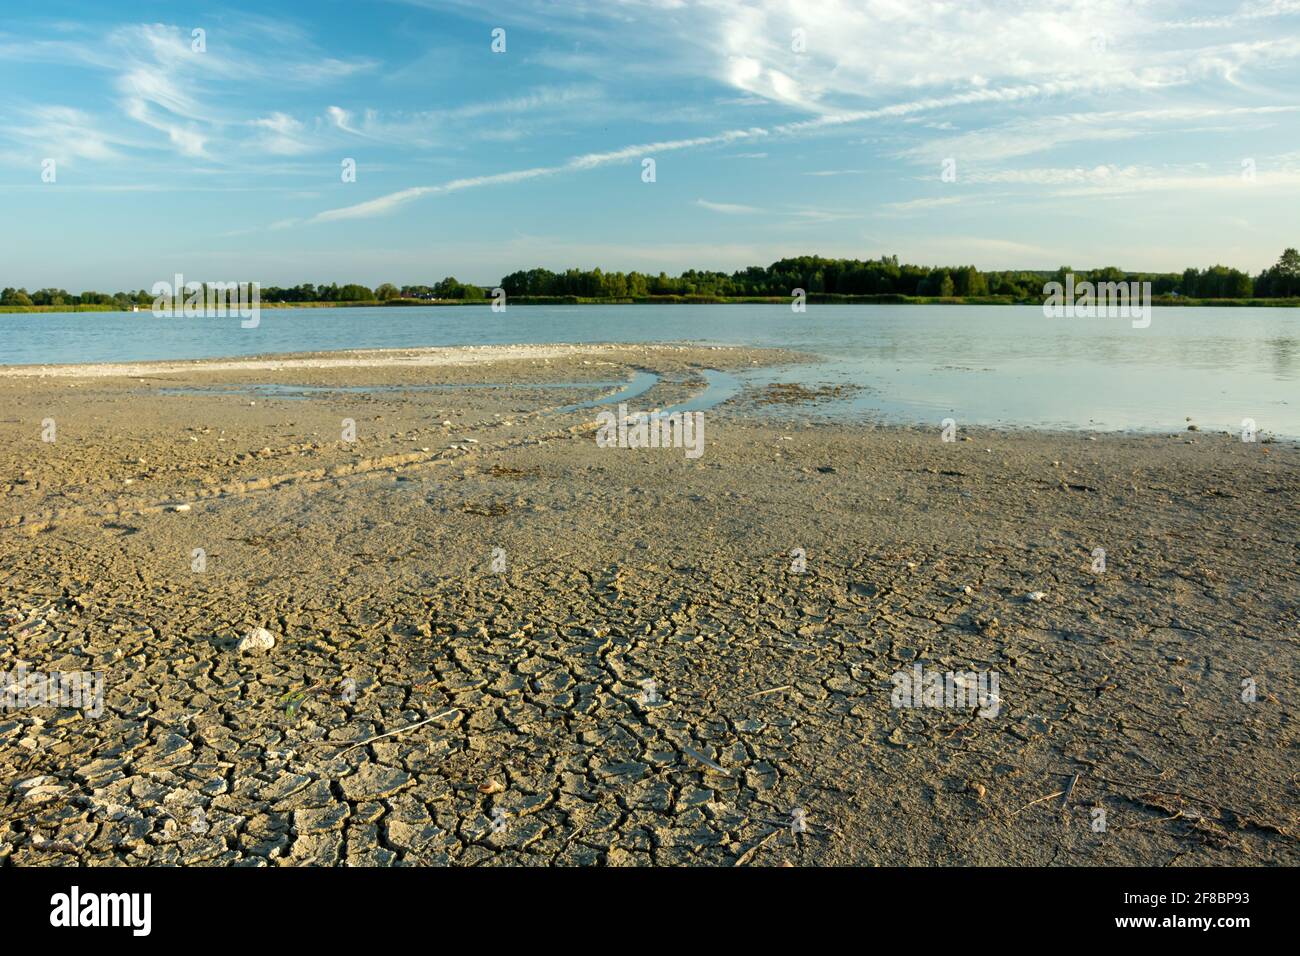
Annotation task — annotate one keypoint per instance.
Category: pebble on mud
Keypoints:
(38, 789)
(1035, 595)
(258, 639)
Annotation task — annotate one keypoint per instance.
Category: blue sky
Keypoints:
(1143, 134)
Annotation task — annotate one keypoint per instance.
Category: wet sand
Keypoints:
(499, 643)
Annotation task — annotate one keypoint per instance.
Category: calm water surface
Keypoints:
(1005, 365)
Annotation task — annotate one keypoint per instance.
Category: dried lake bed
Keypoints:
(496, 642)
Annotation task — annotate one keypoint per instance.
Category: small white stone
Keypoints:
(180, 507)
(41, 794)
(258, 639)
(1036, 595)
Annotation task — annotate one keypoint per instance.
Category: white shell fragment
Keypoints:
(39, 789)
(258, 639)
(1036, 595)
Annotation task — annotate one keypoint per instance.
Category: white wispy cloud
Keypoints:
(163, 84)
(1250, 176)
(728, 208)
(386, 203)
(807, 215)
(838, 56)
(1022, 137)
(64, 133)
(1002, 144)
(283, 135)
(426, 128)
(912, 205)
(1246, 13)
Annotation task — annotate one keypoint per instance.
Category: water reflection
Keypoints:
(979, 364)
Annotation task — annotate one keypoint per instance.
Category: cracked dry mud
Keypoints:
(539, 739)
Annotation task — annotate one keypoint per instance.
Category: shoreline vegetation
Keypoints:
(812, 299)
(821, 281)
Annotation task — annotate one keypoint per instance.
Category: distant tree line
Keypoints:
(813, 274)
(57, 297)
(448, 288)
(887, 276)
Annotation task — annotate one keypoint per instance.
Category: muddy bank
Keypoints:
(499, 643)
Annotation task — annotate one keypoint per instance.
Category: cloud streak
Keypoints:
(387, 203)
(727, 208)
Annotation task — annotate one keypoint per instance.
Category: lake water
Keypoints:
(1003, 365)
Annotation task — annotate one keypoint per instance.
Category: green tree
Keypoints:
(354, 293)
(1284, 278)
(449, 288)
(15, 297)
(1288, 264)
(970, 281)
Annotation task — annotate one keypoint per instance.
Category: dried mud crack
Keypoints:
(530, 650)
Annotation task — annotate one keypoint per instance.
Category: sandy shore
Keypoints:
(499, 643)
(458, 355)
